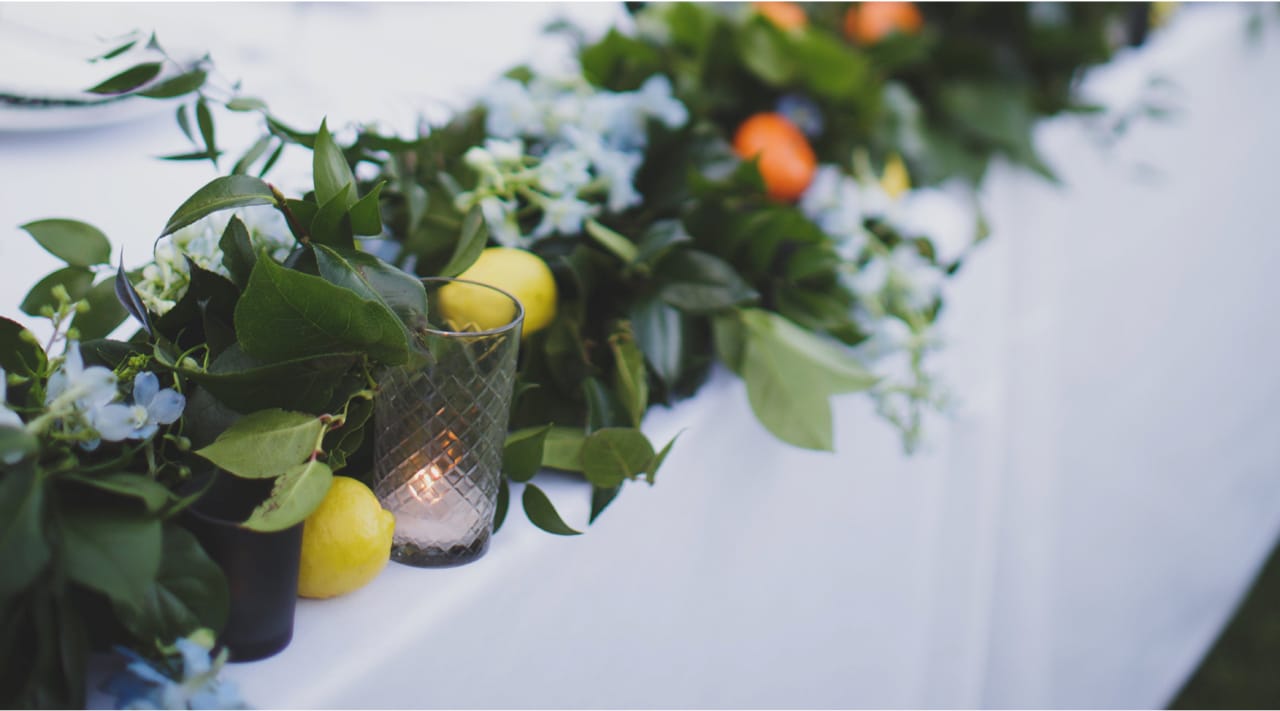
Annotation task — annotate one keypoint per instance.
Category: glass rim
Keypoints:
(516, 322)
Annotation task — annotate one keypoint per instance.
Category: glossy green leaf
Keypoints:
(266, 443)
(204, 121)
(223, 193)
(330, 170)
(112, 551)
(697, 282)
(105, 311)
(176, 86)
(77, 243)
(128, 80)
(659, 332)
(373, 279)
(23, 546)
(17, 354)
(600, 500)
(613, 455)
(366, 218)
(522, 453)
(153, 495)
(475, 233)
(284, 314)
(562, 448)
(332, 224)
(76, 280)
(246, 384)
(630, 379)
(542, 513)
(237, 252)
(293, 497)
(189, 592)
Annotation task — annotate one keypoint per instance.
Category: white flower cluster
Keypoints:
(165, 279)
(565, 148)
(83, 402)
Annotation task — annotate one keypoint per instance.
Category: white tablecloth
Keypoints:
(1076, 533)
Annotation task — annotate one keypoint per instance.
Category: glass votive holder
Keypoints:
(441, 422)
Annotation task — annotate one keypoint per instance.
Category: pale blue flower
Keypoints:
(656, 99)
(618, 171)
(144, 685)
(563, 215)
(89, 388)
(151, 408)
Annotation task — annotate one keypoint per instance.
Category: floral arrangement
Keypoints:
(780, 188)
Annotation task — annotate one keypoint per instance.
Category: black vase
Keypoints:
(261, 568)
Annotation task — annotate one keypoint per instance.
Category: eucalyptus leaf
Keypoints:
(189, 592)
(284, 314)
(128, 80)
(542, 513)
(104, 314)
(266, 443)
(23, 546)
(223, 193)
(522, 453)
(176, 86)
(76, 280)
(112, 551)
(79, 244)
(613, 455)
(293, 497)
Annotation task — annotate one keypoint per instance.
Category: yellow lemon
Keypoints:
(346, 542)
(518, 272)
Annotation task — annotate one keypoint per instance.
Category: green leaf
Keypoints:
(271, 160)
(659, 331)
(184, 122)
(266, 443)
(128, 296)
(330, 170)
(522, 453)
(603, 408)
(293, 497)
(23, 546)
(151, 493)
(191, 156)
(128, 80)
(18, 355)
(366, 219)
(764, 50)
(697, 282)
(76, 280)
(246, 384)
(562, 448)
(806, 354)
(204, 120)
(475, 234)
(542, 513)
(112, 551)
(600, 500)
(74, 242)
(659, 239)
(285, 314)
(332, 224)
(115, 52)
(223, 193)
(246, 103)
(177, 86)
(16, 444)
(613, 455)
(504, 504)
(652, 470)
(373, 279)
(104, 314)
(237, 252)
(255, 152)
(621, 247)
(730, 340)
(189, 592)
(630, 380)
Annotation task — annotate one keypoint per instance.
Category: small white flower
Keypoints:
(565, 170)
(480, 160)
(657, 100)
(618, 171)
(500, 217)
(505, 151)
(946, 216)
(510, 110)
(913, 278)
(563, 215)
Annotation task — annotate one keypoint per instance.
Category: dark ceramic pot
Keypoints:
(261, 568)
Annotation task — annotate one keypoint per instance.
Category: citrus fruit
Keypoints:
(518, 272)
(869, 22)
(787, 162)
(346, 542)
(787, 15)
(895, 180)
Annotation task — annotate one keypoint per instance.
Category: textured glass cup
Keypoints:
(441, 422)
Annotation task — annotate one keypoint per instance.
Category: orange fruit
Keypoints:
(787, 15)
(787, 162)
(869, 22)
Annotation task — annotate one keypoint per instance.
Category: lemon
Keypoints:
(518, 272)
(346, 542)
